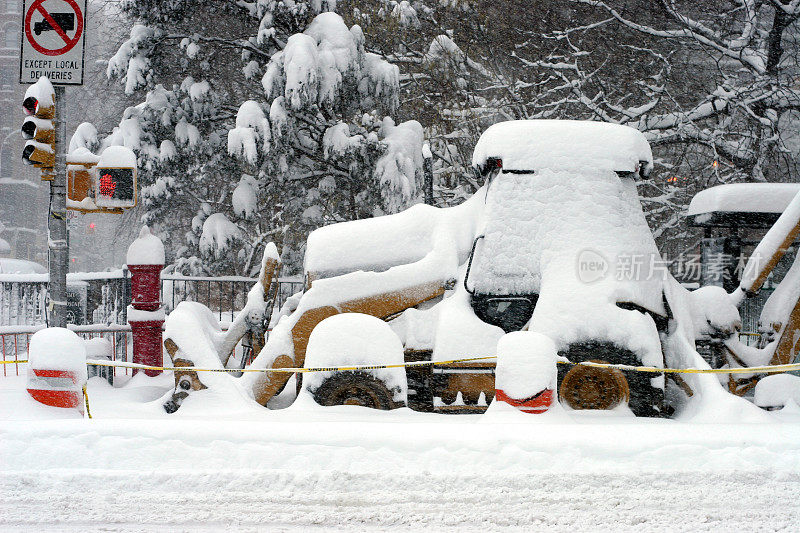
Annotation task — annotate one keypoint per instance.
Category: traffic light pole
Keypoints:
(57, 221)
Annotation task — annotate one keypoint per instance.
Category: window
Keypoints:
(12, 37)
(5, 162)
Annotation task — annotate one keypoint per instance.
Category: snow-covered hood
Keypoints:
(578, 239)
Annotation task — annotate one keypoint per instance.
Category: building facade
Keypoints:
(22, 195)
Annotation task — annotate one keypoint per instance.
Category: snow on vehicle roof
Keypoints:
(744, 198)
(379, 243)
(537, 144)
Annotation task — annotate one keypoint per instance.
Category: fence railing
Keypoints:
(117, 345)
(103, 297)
(14, 341)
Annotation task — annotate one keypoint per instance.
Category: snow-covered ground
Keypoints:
(133, 468)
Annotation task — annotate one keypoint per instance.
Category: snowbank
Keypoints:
(352, 339)
(563, 144)
(777, 391)
(147, 249)
(197, 333)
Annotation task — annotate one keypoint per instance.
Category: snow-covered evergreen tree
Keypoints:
(261, 120)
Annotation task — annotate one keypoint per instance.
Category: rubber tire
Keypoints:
(586, 387)
(645, 400)
(355, 388)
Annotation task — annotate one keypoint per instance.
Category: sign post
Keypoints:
(53, 47)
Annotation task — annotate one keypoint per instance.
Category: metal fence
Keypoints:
(103, 297)
(14, 341)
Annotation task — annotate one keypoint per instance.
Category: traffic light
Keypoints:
(38, 128)
(115, 177)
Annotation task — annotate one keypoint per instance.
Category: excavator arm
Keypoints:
(781, 313)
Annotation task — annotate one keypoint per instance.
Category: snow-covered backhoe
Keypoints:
(554, 242)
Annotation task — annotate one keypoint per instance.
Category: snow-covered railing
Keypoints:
(102, 297)
(14, 343)
(224, 295)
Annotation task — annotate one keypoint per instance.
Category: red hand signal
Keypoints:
(107, 185)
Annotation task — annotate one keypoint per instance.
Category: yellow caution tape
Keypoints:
(86, 402)
(768, 369)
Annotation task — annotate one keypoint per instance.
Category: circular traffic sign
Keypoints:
(69, 42)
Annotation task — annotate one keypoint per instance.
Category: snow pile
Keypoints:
(417, 327)
(138, 315)
(397, 169)
(777, 391)
(147, 249)
(128, 133)
(713, 312)
(350, 339)
(193, 327)
(337, 140)
(57, 349)
(21, 266)
(379, 243)
(459, 333)
(744, 197)
(117, 157)
(197, 333)
(98, 348)
(43, 92)
(404, 13)
(563, 144)
(81, 156)
(218, 235)
(186, 134)
(526, 364)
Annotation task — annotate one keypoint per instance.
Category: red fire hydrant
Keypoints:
(145, 314)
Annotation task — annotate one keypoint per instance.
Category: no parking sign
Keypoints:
(53, 41)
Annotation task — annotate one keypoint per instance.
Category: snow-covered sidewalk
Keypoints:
(353, 468)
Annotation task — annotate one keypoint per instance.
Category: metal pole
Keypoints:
(427, 170)
(57, 223)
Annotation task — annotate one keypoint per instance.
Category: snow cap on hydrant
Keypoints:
(147, 249)
(526, 374)
(56, 367)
